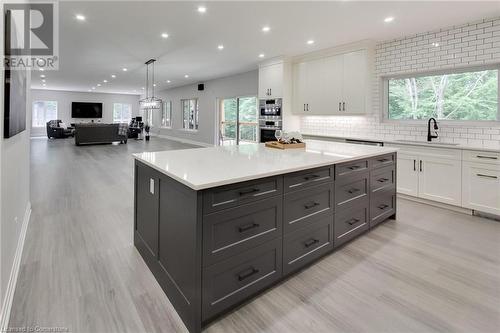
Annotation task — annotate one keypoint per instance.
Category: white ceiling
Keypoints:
(119, 34)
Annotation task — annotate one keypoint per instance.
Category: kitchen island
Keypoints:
(218, 225)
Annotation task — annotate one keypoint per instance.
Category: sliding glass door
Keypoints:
(239, 121)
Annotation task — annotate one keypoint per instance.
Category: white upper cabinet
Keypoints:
(332, 85)
(271, 81)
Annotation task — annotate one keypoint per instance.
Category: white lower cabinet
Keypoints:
(481, 187)
(430, 173)
(440, 180)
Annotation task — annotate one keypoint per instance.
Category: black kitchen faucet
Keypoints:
(429, 135)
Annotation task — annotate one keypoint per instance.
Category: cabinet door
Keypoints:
(407, 182)
(332, 87)
(440, 180)
(271, 81)
(299, 88)
(147, 203)
(354, 80)
(481, 187)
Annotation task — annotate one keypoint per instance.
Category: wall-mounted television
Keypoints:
(86, 110)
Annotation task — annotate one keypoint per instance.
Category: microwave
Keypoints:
(270, 107)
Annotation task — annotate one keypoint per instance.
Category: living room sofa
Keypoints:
(100, 133)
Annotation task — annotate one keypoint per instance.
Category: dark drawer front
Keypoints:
(350, 168)
(350, 189)
(302, 179)
(234, 230)
(383, 161)
(351, 222)
(305, 245)
(306, 206)
(382, 178)
(383, 205)
(236, 194)
(233, 280)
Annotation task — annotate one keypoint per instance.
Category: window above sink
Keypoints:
(464, 96)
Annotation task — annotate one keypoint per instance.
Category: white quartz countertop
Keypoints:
(435, 144)
(202, 168)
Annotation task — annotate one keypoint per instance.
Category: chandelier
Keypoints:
(150, 103)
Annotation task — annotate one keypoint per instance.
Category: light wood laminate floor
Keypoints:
(432, 270)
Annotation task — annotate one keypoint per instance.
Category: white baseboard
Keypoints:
(436, 204)
(192, 142)
(11, 286)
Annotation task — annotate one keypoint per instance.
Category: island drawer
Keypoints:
(237, 194)
(350, 169)
(351, 221)
(234, 230)
(303, 207)
(351, 189)
(231, 281)
(382, 178)
(383, 160)
(307, 244)
(301, 179)
(382, 206)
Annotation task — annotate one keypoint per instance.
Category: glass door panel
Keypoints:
(228, 122)
(239, 121)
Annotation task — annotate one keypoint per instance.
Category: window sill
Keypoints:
(166, 127)
(188, 130)
(471, 123)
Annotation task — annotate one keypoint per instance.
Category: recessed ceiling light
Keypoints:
(261, 55)
(266, 29)
(98, 84)
(389, 19)
(113, 76)
(105, 81)
(310, 42)
(80, 17)
(124, 69)
(186, 76)
(202, 9)
(220, 47)
(164, 35)
(435, 44)
(42, 76)
(154, 84)
(168, 81)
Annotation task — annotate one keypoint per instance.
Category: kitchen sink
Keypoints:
(429, 143)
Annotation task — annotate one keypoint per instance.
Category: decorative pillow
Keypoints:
(63, 125)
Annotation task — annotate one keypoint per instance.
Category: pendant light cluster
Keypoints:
(150, 103)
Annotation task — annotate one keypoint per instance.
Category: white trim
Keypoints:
(435, 204)
(11, 286)
(174, 138)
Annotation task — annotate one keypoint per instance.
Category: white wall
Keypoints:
(245, 84)
(472, 44)
(64, 99)
(14, 199)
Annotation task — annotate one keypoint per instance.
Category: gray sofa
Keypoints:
(100, 133)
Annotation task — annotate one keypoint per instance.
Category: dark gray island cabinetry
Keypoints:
(214, 241)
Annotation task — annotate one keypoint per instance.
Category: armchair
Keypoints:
(57, 132)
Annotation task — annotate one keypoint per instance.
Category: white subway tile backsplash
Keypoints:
(475, 43)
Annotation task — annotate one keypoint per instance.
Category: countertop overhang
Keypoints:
(202, 168)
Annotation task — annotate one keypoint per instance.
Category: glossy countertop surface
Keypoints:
(202, 168)
(434, 144)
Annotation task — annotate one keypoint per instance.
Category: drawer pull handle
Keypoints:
(383, 206)
(486, 176)
(382, 180)
(248, 227)
(352, 221)
(309, 177)
(487, 157)
(247, 273)
(249, 191)
(311, 242)
(383, 160)
(311, 205)
(353, 190)
(353, 167)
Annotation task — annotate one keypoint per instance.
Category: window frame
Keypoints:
(44, 112)
(113, 113)
(163, 121)
(384, 88)
(197, 115)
